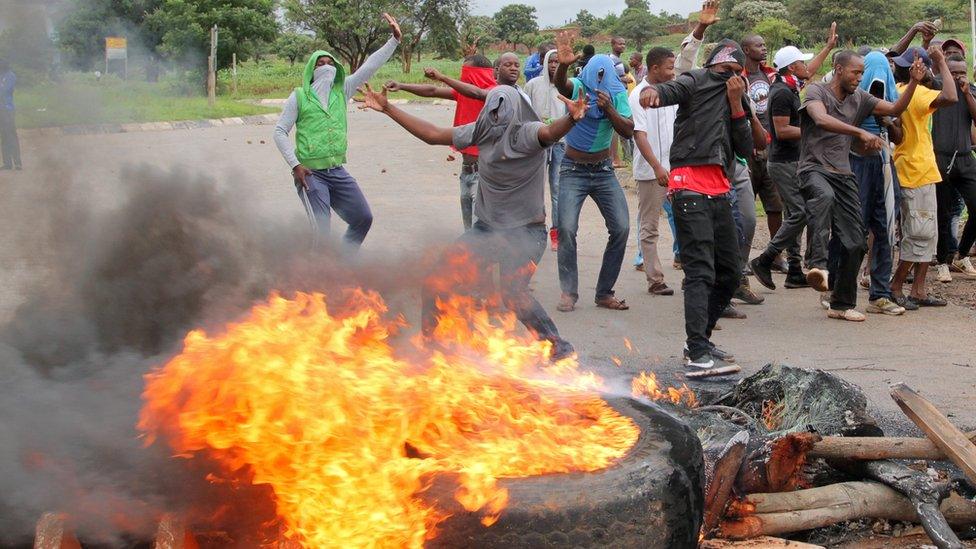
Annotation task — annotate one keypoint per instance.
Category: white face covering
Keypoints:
(322, 80)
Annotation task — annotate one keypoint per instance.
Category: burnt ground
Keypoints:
(412, 189)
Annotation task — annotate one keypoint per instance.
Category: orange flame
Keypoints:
(646, 384)
(317, 402)
(772, 414)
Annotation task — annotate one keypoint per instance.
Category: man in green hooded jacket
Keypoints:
(318, 110)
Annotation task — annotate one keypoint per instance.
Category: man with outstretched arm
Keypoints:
(510, 207)
(318, 109)
(506, 74)
(830, 117)
(710, 129)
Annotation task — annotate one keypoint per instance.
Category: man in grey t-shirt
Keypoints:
(510, 205)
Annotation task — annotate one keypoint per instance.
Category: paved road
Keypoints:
(413, 192)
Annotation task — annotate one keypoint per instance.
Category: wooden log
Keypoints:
(871, 448)
(783, 513)
(714, 372)
(777, 466)
(762, 542)
(721, 479)
(938, 428)
(52, 533)
(172, 533)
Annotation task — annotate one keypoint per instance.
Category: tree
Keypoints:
(26, 44)
(417, 18)
(184, 28)
(515, 22)
(777, 32)
(351, 28)
(639, 26)
(294, 46)
(84, 25)
(867, 21)
(477, 31)
(738, 19)
(587, 23)
(638, 4)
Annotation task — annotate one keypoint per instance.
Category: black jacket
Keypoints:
(704, 132)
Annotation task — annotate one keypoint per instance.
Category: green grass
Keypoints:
(79, 99)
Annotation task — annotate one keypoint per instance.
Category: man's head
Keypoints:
(618, 45)
(726, 57)
(477, 60)
(954, 47)
(903, 64)
(553, 64)
(660, 64)
(635, 60)
(507, 69)
(790, 60)
(754, 46)
(543, 48)
(848, 70)
(323, 60)
(957, 65)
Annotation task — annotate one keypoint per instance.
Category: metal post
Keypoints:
(234, 73)
(212, 68)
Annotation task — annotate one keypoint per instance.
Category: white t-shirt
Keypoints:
(658, 124)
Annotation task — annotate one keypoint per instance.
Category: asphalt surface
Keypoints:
(413, 188)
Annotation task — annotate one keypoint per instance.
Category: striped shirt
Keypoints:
(658, 124)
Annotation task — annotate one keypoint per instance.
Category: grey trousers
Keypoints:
(816, 201)
(745, 201)
(787, 182)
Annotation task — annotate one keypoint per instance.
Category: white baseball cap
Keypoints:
(789, 55)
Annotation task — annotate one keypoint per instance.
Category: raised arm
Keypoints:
(463, 88)
(375, 60)
(927, 29)
(949, 94)
(886, 108)
(420, 128)
(819, 59)
(421, 90)
(692, 43)
(564, 52)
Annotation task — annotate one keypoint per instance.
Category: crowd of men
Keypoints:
(876, 155)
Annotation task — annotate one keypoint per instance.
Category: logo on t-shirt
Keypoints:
(759, 93)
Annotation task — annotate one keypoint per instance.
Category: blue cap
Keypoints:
(906, 59)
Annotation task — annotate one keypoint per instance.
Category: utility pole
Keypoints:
(234, 73)
(212, 68)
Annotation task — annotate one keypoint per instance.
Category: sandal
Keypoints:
(612, 303)
(567, 303)
(930, 301)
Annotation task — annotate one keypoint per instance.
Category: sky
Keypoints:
(558, 12)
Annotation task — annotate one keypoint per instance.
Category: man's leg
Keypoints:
(945, 199)
(767, 191)
(697, 236)
(819, 197)
(610, 199)
(965, 184)
(320, 200)
(350, 204)
(869, 171)
(921, 231)
(650, 199)
(669, 212)
(787, 237)
(726, 261)
(469, 186)
(574, 186)
(7, 137)
(556, 154)
(744, 202)
(848, 227)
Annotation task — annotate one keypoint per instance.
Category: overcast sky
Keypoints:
(557, 12)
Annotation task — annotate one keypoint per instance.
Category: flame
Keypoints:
(629, 345)
(646, 384)
(349, 423)
(772, 414)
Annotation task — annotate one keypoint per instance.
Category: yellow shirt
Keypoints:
(915, 156)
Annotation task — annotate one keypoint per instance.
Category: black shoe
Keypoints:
(732, 312)
(796, 279)
(762, 272)
(561, 349)
(703, 362)
(718, 355)
(745, 294)
(781, 265)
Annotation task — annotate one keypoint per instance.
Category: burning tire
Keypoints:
(653, 497)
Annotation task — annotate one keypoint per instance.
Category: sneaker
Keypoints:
(703, 362)
(824, 300)
(567, 303)
(762, 272)
(561, 349)
(796, 279)
(907, 302)
(660, 288)
(745, 294)
(717, 354)
(885, 306)
(851, 315)
(942, 273)
(817, 279)
(731, 312)
(554, 239)
(781, 265)
(964, 266)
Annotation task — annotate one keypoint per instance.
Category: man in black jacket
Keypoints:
(711, 127)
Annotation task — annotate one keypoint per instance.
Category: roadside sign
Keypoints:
(116, 48)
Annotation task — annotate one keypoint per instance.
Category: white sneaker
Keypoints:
(851, 315)
(942, 273)
(964, 266)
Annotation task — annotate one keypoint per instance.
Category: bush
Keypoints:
(777, 32)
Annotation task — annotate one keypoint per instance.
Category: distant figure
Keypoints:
(534, 65)
(9, 143)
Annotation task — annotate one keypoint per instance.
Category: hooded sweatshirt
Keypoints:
(594, 132)
(544, 95)
(318, 108)
(877, 74)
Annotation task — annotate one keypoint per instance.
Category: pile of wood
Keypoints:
(803, 481)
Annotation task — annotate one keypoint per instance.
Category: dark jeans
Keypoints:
(335, 189)
(469, 188)
(848, 239)
(787, 237)
(817, 198)
(710, 259)
(9, 144)
(962, 179)
(869, 171)
(599, 182)
(517, 252)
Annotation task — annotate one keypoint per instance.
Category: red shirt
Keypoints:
(708, 180)
(467, 109)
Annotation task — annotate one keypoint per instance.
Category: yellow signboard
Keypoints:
(115, 43)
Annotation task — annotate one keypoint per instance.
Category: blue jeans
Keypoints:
(469, 188)
(869, 171)
(577, 181)
(555, 158)
(335, 189)
(669, 212)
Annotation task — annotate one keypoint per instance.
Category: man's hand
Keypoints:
(394, 26)
(963, 81)
(832, 36)
(925, 29)
(577, 109)
(564, 48)
(603, 100)
(433, 74)
(918, 69)
(660, 174)
(735, 88)
(372, 99)
(391, 85)
(300, 173)
(870, 142)
(649, 98)
(936, 54)
(709, 13)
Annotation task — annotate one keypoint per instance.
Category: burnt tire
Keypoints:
(653, 497)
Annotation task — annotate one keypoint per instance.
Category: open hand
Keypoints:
(832, 36)
(372, 99)
(564, 48)
(394, 26)
(649, 98)
(918, 69)
(709, 13)
(577, 109)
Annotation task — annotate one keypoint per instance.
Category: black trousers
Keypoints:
(710, 259)
(848, 238)
(960, 178)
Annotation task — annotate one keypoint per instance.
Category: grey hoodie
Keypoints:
(543, 93)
